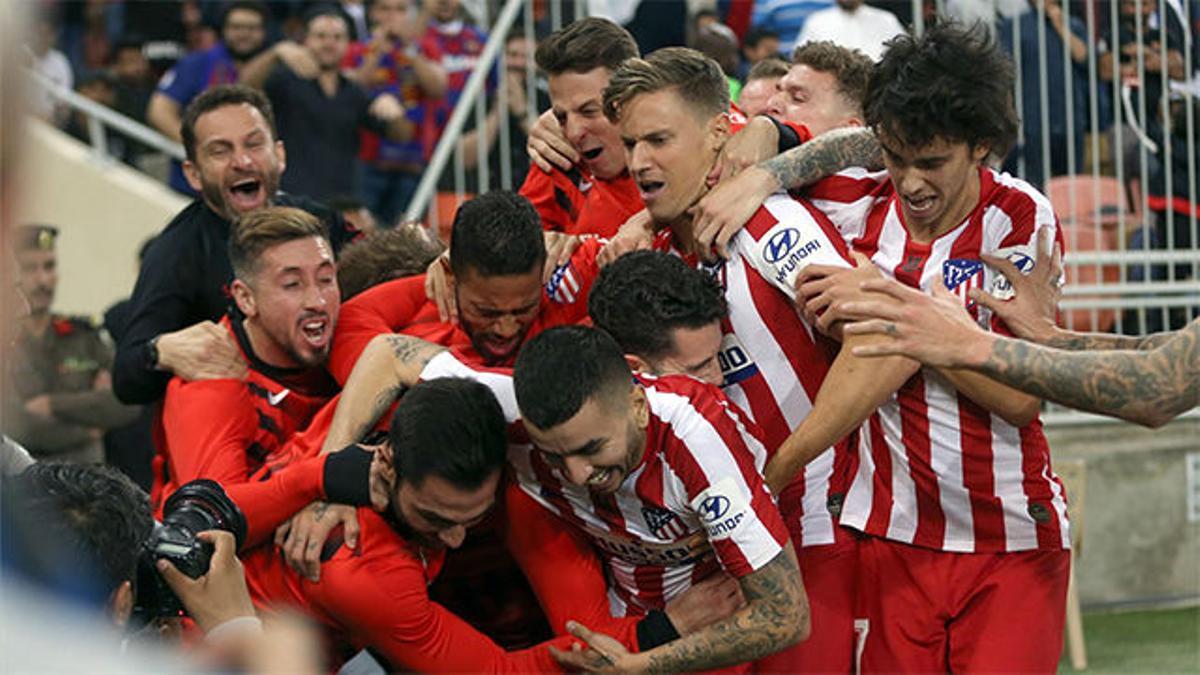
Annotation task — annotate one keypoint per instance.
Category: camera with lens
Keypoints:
(194, 508)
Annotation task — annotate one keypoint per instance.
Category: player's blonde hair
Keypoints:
(697, 78)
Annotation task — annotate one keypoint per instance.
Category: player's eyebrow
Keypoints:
(590, 448)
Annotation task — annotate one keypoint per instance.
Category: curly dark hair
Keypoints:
(497, 234)
(81, 522)
(644, 296)
(953, 82)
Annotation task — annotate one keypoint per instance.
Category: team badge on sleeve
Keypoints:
(563, 287)
(722, 508)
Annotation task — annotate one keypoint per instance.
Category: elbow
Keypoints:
(1024, 414)
(1153, 418)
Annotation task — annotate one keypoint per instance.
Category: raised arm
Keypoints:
(1149, 387)
(390, 363)
(725, 209)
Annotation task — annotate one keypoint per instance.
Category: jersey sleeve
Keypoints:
(846, 198)
(569, 285)
(385, 308)
(1028, 213)
(208, 425)
(185, 81)
(786, 235)
(553, 196)
(717, 459)
(563, 569)
(384, 602)
(498, 380)
(270, 498)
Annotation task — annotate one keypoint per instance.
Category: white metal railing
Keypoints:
(99, 117)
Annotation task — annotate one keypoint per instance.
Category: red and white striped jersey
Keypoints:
(774, 362)
(695, 504)
(934, 468)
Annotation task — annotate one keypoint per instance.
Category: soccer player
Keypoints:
(776, 366)
(666, 316)
(676, 436)
(497, 253)
(953, 477)
(596, 195)
(286, 294)
(447, 445)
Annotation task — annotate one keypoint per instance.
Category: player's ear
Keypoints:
(640, 409)
(979, 152)
(244, 297)
(637, 364)
(718, 129)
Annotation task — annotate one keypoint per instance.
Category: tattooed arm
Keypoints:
(1149, 385)
(389, 363)
(775, 617)
(727, 207)
(1072, 341)
(824, 156)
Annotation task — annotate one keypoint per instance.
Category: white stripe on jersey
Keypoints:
(633, 552)
(1009, 452)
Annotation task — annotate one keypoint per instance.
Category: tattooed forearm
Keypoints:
(824, 156)
(412, 353)
(389, 363)
(776, 616)
(1071, 341)
(1146, 387)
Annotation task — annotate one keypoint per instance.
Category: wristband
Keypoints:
(654, 630)
(347, 476)
(788, 138)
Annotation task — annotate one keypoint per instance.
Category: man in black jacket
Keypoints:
(234, 161)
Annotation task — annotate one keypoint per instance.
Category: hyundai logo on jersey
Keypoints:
(780, 244)
(713, 508)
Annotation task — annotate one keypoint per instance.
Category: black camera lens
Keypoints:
(195, 507)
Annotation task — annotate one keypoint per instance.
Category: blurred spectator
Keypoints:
(518, 50)
(356, 11)
(985, 12)
(759, 44)
(853, 25)
(718, 42)
(459, 43)
(130, 448)
(134, 84)
(403, 251)
(51, 64)
(1136, 42)
(786, 18)
(1039, 132)
(243, 30)
(318, 110)
(355, 212)
(658, 23)
(761, 84)
(394, 59)
(99, 86)
(59, 396)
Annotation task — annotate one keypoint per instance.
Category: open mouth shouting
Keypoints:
(316, 331)
(247, 194)
(650, 189)
(920, 206)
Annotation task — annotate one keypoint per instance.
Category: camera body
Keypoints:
(194, 508)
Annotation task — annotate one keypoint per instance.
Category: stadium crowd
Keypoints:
(746, 374)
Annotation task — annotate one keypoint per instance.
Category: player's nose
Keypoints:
(578, 470)
(453, 536)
